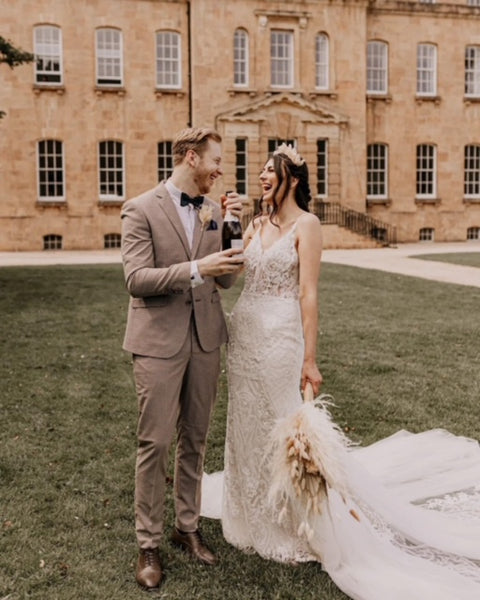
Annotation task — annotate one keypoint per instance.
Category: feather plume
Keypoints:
(307, 458)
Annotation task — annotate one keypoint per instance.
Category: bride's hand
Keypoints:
(311, 374)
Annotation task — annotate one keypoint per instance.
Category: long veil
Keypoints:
(418, 532)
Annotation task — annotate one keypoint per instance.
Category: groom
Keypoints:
(171, 239)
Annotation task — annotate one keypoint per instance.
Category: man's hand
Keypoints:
(233, 203)
(221, 263)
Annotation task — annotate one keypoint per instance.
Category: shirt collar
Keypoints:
(174, 192)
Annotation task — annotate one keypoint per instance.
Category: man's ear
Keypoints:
(192, 157)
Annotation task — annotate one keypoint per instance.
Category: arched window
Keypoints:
(426, 234)
(109, 57)
(473, 233)
(240, 58)
(52, 242)
(426, 70)
(48, 55)
(112, 240)
(472, 71)
(169, 59)
(377, 67)
(321, 62)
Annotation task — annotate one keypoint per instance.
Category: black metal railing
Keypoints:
(332, 213)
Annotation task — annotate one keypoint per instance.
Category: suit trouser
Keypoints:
(177, 393)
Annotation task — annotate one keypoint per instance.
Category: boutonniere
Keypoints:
(205, 214)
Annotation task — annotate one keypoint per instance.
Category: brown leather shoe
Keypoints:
(192, 542)
(149, 569)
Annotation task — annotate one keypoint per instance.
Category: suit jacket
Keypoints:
(156, 260)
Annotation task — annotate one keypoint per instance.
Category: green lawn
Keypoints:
(468, 259)
(395, 352)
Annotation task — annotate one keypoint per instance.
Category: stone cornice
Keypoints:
(441, 9)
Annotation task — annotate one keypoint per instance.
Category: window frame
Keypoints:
(52, 241)
(377, 73)
(282, 67)
(473, 233)
(429, 180)
(51, 171)
(471, 155)
(55, 57)
(322, 169)
(164, 159)
(472, 86)
(382, 170)
(241, 58)
(427, 75)
(171, 59)
(112, 240)
(322, 61)
(241, 170)
(426, 234)
(109, 58)
(106, 196)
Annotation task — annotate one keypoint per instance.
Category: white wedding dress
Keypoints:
(417, 496)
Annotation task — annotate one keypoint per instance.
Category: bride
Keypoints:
(373, 534)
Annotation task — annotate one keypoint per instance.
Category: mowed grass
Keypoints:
(395, 352)
(468, 259)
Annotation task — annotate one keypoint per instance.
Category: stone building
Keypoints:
(382, 98)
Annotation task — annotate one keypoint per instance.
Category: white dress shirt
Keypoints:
(188, 216)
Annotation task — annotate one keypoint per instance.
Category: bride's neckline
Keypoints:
(284, 235)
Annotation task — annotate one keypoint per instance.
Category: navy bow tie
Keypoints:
(185, 200)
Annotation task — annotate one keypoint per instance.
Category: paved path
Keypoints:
(393, 260)
(400, 260)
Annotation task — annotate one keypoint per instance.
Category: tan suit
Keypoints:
(174, 332)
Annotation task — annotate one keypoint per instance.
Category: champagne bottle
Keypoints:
(232, 235)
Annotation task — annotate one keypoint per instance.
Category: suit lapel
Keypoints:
(197, 235)
(168, 206)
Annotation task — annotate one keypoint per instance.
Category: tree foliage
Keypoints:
(13, 57)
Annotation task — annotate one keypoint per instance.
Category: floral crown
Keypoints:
(290, 152)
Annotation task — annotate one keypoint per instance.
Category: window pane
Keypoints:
(50, 170)
(426, 170)
(165, 160)
(168, 59)
(322, 167)
(472, 70)
(240, 58)
(321, 61)
(48, 54)
(377, 171)
(377, 67)
(426, 69)
(241, 162)
(472, 171)
(281, 56)
(111, 170)
(109, 57)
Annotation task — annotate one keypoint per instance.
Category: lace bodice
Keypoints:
(274, 271)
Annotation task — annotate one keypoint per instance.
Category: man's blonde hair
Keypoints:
(192, 138)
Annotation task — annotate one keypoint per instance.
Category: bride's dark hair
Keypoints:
(286, 170)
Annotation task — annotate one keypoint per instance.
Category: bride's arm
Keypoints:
(309, 244)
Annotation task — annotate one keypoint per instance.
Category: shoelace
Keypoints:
(150, 556)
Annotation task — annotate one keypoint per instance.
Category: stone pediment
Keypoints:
(264, 108)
